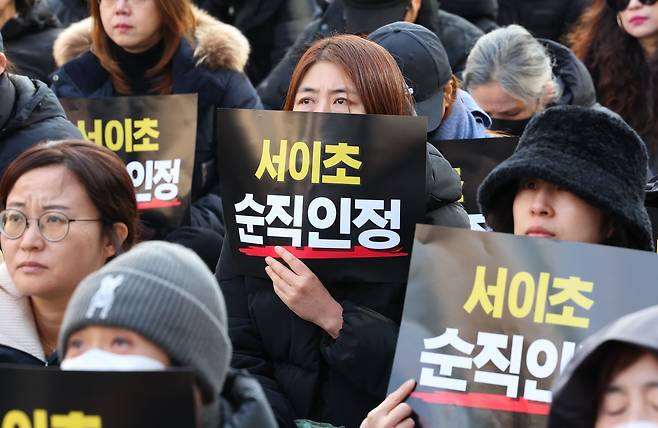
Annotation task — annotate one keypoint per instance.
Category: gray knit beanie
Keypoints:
(165, 293)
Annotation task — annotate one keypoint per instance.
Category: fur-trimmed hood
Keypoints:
(218, 45)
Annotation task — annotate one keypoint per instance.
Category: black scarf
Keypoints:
(136, 65)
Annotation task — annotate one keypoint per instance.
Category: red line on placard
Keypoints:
(484, 401)
(156, 203)
(357, 252)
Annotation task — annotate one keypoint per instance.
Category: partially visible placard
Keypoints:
(474, 160)
(491, 319)
(156, 137)
(36, 397)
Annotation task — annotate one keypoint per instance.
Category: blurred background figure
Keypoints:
(513, 76)
(271, 26)
(483, 13)
(618, 42)
(548, 19)
(363, 17)
(29, 33)
(66, 11)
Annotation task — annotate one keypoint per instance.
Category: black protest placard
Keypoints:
(48, 398)
(491, 319)
(473, 160)
(342, 192)
(156, 137)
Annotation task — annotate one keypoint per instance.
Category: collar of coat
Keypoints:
(17, 326)
(218, 45)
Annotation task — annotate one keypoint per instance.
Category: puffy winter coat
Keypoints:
(28, 41)
(548, 19)
(573, 77)
(270, 25)
(482, 13)
(243, 403)
(304, 372)
(36, 116)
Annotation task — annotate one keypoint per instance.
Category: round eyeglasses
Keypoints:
(53, 225)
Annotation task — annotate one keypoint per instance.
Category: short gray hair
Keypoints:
(512, 57)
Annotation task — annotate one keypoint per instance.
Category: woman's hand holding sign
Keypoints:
(303, 293)
(392, 412)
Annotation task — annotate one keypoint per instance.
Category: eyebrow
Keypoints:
(45, 207)
(333, 91)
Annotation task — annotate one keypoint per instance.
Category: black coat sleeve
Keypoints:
(364, 350)
(248, 350)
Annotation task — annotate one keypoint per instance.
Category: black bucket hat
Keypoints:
(590, 152)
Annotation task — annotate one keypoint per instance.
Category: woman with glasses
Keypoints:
(618, 42)
(67, 208)
(160, 47)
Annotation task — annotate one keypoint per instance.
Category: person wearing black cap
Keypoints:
(363, 17)
(612, 380)
(451, 113)
(29, 114)
(577, 174)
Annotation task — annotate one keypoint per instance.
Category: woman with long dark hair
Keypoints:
(618, 42)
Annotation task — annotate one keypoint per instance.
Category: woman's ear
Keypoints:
(115, 240)
(449, 94)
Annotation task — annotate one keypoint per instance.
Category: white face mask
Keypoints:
(638, 424)
(98, 360)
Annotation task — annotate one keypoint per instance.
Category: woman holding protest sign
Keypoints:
(160, 47)
(618, 42)
(323, 351)
(67, 208)
(513, 76)
(577, 174)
